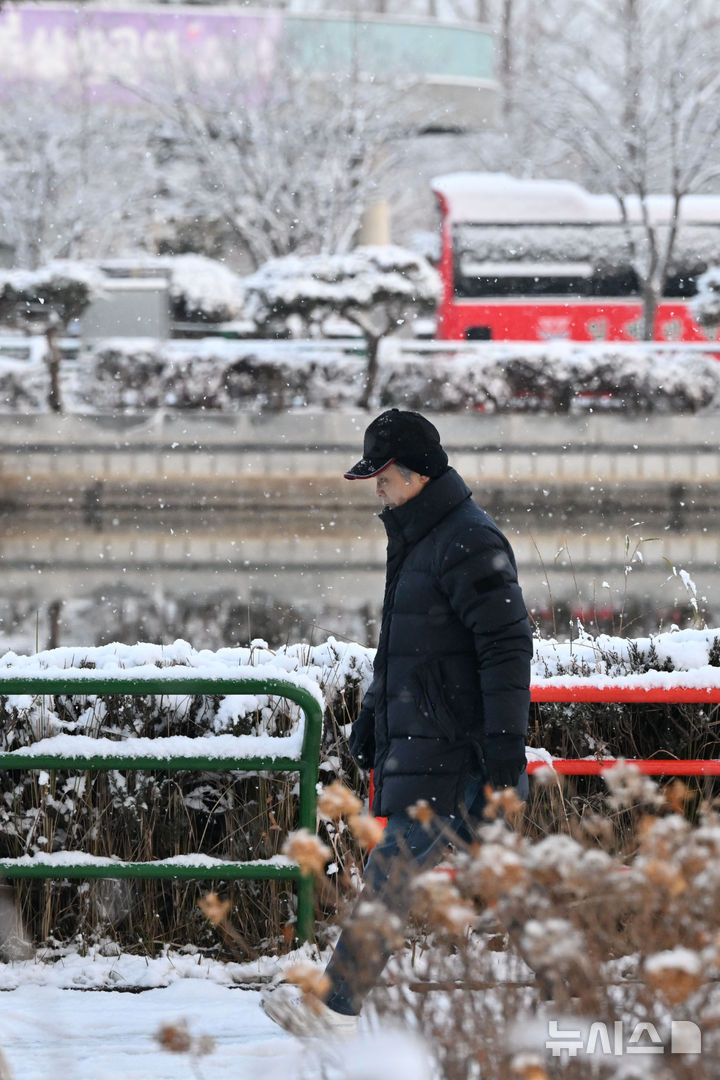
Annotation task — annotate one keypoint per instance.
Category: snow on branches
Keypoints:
(376, 288)
(47, 300)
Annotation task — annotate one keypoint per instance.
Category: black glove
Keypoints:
(504, 757)
(362, 739)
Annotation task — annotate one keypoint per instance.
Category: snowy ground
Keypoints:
(50, 1024)
(98, 1018)
(108, 1036)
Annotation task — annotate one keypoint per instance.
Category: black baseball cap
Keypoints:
(405, 438)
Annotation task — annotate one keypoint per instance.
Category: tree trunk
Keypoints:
(651, 299)
(53, 358)
(371, 371)
(54, 623)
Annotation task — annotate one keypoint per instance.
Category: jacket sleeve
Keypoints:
(362, 736)
(479, 577)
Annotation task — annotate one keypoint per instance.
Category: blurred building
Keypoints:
(437, 49)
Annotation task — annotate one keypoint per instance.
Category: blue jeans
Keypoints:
(407, 847)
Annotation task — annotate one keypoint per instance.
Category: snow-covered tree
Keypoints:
(376, 288)
(271, 171)
(628, 90)
(62, 192)
(45, 301)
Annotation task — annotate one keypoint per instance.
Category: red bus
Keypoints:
(540, 260)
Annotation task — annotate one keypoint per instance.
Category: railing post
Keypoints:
(312, 738)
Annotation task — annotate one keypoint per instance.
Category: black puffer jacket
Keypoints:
(452, 669)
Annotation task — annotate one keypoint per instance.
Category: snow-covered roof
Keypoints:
(476, 197)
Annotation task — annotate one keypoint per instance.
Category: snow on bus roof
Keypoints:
(498, 198)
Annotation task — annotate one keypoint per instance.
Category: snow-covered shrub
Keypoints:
(221, 375)
(705, 305)
(663, 382)
(126, 376)
(203, 290)
(249, 378)
(23, 386)
(553, 378)
(486, 381)
(373, 286)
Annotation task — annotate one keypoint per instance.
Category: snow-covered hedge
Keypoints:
(333, 668)
(221, 375)
(675, 658)
(557, 377)
(24, 384)
(689, 657)
(156, 815)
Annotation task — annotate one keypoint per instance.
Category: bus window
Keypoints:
(683, 283)
(475, 278)
(615, 281)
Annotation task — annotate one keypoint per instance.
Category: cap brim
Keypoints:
(366, 469)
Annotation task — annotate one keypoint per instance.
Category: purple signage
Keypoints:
(109, 51)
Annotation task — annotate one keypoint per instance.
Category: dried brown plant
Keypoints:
(614, 925)
(366, 829)
(215, 910)
(313, 983)
(307, 850)
(336, 801)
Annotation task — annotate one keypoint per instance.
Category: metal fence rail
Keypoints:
(80, 865)
(623, 692)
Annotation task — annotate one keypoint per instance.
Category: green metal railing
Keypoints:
(85, 681)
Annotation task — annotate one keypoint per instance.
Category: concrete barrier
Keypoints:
(243, 456)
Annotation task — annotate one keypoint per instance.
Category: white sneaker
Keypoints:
(288, 1008)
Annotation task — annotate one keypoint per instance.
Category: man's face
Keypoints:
(393, 489)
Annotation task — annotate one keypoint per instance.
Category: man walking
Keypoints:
(447, 710)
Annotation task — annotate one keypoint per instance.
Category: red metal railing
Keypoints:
(648, 766)
(627, 690)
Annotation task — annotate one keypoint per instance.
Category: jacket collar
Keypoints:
(415, 518)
